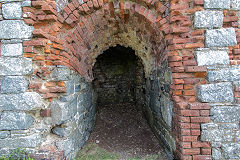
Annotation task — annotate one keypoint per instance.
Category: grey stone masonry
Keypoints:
(226, 114)
(4, 134)
(208, 19)
(26, 3)
(231, 151)
(15, 29)
(220, 37)
(31, 141)
(61, 112)
(61, 73)
(224, 74)
(217, 135)
(12, 49)
(12, 10)
(208, 57)
(235, 4)
(217, 154)
(219, 92)
(24, 101)
(15, 120)
(217, 4)
(14, 84)
(15, 66)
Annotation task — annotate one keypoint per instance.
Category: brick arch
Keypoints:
(83, 43)
(57, 35)
(60, 36)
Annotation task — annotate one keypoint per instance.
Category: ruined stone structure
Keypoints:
(188, 50)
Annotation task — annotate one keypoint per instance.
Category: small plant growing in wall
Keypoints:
(17, 154)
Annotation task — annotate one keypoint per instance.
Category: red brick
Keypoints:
(71, 7)
(185, 132)
(186, 144)
(200, 144)
(195, 132)
(191, 81)
(69, 20)
(181, 75)
(75, 3)
(237, 94)
(95, 3)
(189, 92)
(45, 112)
(204, 112)
(190, 63)
(179, 6)
(39, 58)
(100, 2)
(177, 69)
(194, 45)
(178, 81)
(195, 69)
(174, 58)
(202, 157)
(67, 10)
(50, 84)
(90, 4)
(73, 18)
(197, 32)
(206, 151)
(189, 112)
(189, 138)
(192, 151)
(186, 157)
(85, 7)
(175, 64)
(177, 92)
(183, 119)
(57, 89)
(188, 86)
(199, 2)
(200, 119)
(200, 75)
(195, 126)
(176, 87)
(237, 88)
(76, 14)
(199, 106)
(185, 125)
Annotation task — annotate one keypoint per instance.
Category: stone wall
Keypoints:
(222, 130)
(18, 106)
(73, 114)
(159, 106)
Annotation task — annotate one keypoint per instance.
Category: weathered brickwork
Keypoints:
(190, 55)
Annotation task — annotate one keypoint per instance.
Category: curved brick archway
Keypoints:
(77, 38)
(197, 40)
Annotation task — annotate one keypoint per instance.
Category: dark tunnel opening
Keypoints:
(121, 125)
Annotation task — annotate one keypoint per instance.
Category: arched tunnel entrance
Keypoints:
(134, 109)
(122, 123)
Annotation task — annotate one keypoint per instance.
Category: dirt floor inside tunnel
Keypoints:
(122, 130)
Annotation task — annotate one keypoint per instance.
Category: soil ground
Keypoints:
(122, 132)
